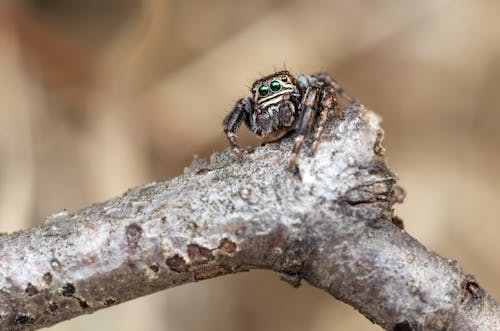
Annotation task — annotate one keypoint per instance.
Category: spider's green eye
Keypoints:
(284, 79)
(275, 86)
(263, 90)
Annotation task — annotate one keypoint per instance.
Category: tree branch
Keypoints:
(330, 224)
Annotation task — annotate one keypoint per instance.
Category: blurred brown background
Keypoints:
(100, 96)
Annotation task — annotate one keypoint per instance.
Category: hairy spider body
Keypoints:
(282, 102)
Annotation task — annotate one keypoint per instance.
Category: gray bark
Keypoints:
(329, 224)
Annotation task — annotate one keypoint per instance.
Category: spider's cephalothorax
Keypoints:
(282, 102)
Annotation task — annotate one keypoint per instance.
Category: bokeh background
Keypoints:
(100, 96)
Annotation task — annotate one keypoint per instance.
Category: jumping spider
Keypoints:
(282, 102)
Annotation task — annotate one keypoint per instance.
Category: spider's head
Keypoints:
(271, 89)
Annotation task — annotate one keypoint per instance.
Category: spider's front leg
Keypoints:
(241, 113)
(305, 120)
(338, 90)
(328, 104)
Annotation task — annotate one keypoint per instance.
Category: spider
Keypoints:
(282, 102)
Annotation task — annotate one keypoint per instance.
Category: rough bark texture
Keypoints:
(330, 224)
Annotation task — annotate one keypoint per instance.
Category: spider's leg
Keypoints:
(328, 103)
(232, 122)
(305, 120)
(327, 79)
